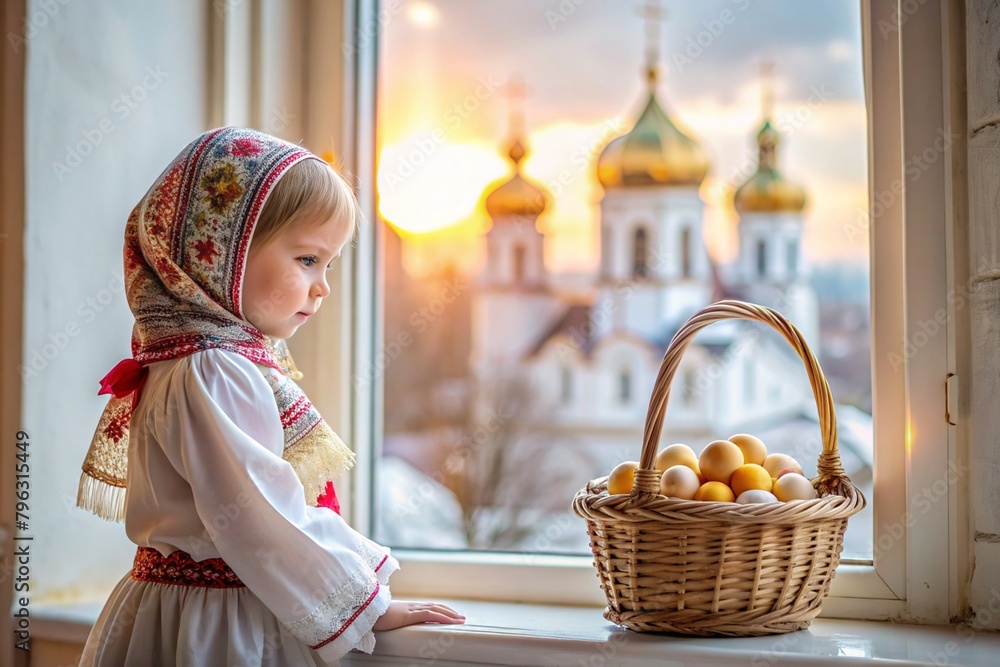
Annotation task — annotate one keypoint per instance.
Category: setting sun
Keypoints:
(426, 184)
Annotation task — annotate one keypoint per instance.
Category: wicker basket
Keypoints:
(714, 568)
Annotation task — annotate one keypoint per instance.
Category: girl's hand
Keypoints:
(401, 614)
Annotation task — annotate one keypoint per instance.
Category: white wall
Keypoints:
(82, 59)
(983, 41)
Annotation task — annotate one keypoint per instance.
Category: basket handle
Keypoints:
(830, 474)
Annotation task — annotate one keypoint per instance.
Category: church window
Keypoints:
(625, 386)
(690, 394)
(566, 385)
(640, 253)
(519, 258)
(793, 258)
(605, 250)
(686, 252)
(761, 258)
(493, 260)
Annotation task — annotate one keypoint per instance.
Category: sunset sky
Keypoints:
(443, 113)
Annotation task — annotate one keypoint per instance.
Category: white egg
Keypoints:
(679, 482)
(793, 486)
(754, 496)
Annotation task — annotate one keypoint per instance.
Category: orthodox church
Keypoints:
(591, 366)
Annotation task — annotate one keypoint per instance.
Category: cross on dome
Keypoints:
(654, 14)
(767, 190)
(517, 196)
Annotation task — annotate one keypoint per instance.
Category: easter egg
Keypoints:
(793, 486)
(719, 460)
(679, 482)
(715, 492)
(752, 447)
(677, 455)
(750, 476)
(754, 496)
(622, 477)
(779, 464)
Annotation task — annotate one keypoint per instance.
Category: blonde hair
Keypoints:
(310, 188)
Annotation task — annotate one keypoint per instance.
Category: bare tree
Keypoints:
(503, 471)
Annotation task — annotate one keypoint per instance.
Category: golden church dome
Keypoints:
(767, 191)
(653, 152)
(517, 195)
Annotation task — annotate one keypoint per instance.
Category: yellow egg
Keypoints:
(622, 477)
(779, 464)
(719, 460)
(677, 455)
(752, 447)
(793, 486)
(750, 476)
(754, 496)
(679, 481)
(715, 492)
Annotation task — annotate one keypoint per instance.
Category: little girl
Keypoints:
(219, 465)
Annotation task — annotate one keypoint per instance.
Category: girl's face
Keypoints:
(285, 279)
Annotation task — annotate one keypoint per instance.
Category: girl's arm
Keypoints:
(326, 582)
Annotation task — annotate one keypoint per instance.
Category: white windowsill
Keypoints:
(536, 635)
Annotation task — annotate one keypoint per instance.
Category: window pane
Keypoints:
(561, 186)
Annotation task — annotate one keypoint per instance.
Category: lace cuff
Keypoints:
(343, 621)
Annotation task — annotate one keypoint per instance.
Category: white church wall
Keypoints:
(594, 405)
(505, 235)
(508, 322)
(546, 370)
(620, 229)
(681, 300)
(776, 230)
(634, 307)
(708, 394)
(802, 310)
(662, 211)
(688, 216)
(762, 384)
(692, 402)
(615, 358)
(678, 281)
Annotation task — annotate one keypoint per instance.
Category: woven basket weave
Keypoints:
(713, 568)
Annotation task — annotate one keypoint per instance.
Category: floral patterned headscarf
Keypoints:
(185, 254)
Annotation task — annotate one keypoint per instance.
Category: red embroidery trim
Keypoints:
(295, 410)
(179, 568)
(353, 618)
(384, 559)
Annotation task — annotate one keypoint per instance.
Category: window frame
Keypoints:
(912, 576)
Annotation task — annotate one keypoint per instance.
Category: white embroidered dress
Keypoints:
(206, 477)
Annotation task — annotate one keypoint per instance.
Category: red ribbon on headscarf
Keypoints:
(126, 377)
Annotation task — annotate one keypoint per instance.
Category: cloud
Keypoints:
(593, 54)
(583, 61)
